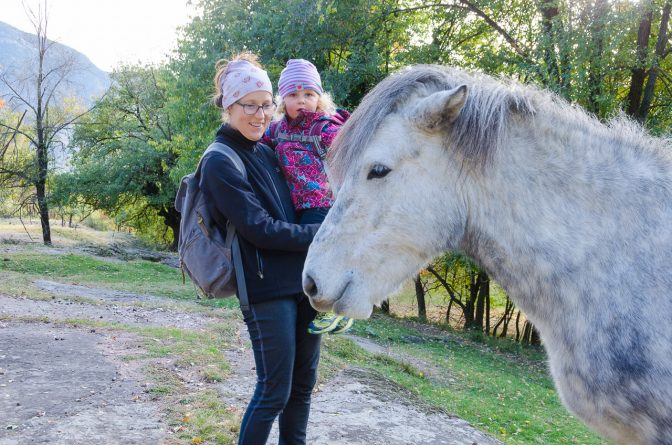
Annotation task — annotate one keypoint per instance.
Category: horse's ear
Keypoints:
(439, 109)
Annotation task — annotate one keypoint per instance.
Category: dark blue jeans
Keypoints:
(286, 357)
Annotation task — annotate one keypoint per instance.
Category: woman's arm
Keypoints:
(235, 199)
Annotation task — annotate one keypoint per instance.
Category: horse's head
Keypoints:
(401, 198)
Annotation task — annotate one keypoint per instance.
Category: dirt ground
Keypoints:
(65, 384)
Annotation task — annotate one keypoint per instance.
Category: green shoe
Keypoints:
(343, 325)
(323, 323)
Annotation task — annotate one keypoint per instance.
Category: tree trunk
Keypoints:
(487, 311)
(535, 338)
(171, 218)
(508, 313)
(549, 22)
(420, 297)
(530, 335)
(518, 326)
(469, 307)
(525, 338)
(385, 307)
(653, 71)
(483, 285)
(639, 70)
(44, 211)
(596, 68)
(41, 185)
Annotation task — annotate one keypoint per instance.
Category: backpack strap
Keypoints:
(240, 274)
(229, 153)
(231, 241)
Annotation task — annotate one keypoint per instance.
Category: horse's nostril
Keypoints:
(309, 286)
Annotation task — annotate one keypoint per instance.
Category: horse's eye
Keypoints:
(378, 171)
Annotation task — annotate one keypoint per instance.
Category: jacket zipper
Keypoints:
(277, 195)
(260, 265)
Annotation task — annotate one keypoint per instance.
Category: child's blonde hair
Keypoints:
(325, 104)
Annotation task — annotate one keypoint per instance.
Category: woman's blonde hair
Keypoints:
(221, 67)
(325, 104)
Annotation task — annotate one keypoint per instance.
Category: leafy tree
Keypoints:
(127, 149)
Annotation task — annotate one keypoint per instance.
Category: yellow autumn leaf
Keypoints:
(196, 440)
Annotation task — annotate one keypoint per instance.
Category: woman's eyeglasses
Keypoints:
(252, 109)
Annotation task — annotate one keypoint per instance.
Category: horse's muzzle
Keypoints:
(310, 289)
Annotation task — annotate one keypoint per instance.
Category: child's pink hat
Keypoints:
(299, 74)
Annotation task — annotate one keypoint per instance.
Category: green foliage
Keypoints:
(127, 150)
(18, 168)
(151, 128)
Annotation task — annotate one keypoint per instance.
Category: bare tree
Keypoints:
(39, 90)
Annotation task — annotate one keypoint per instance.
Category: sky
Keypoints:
(108, 32)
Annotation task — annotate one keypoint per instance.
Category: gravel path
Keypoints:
(69, 385)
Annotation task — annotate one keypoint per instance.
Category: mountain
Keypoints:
(18, 55)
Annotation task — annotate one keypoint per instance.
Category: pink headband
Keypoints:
(240, 79)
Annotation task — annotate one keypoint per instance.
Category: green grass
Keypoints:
(143, 277)
(509, 396)
(203, 418)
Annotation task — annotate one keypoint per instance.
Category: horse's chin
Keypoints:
(343, 307)
(360, 310)
(357, 310)
(321, 306)
(353, 305)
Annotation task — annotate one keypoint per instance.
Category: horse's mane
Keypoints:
(481, 125)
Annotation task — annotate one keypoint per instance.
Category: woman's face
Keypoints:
(252, 126)
(300, 100)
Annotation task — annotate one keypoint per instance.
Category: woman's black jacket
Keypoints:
(273, 247)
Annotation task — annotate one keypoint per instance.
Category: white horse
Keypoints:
(572, 217)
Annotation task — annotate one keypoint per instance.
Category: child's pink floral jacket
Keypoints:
(300, 163)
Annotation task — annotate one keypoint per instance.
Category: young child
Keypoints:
(300, 138)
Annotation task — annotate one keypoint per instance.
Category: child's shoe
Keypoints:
(343, 325)
(324, 322)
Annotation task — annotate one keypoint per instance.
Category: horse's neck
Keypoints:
(550, 204)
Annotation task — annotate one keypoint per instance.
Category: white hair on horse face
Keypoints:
(569, 215)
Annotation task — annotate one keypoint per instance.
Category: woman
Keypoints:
(273, 251)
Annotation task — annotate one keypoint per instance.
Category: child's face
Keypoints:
(300, 100)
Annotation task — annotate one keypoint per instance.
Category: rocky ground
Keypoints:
(64, 382)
